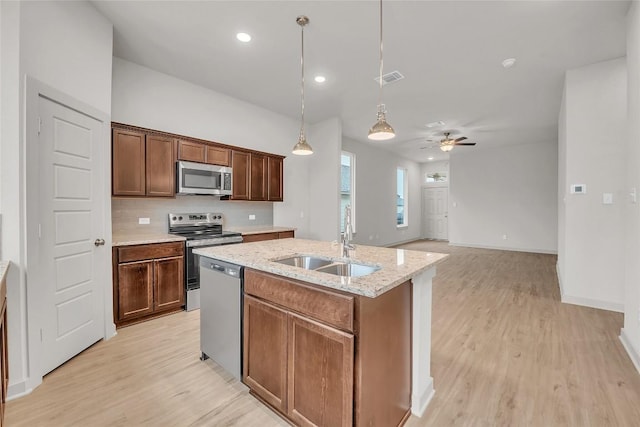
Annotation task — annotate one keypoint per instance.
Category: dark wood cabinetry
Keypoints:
(258, 177)
(259, 237)
(143, 164)
(240, 162)
(194, 151)
(275, 179)
(148, 280)
(348, 357)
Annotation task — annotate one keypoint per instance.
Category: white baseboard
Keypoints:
(631, 351)
(17, 390)
(419, 403)
(505, 248)
(586, 302)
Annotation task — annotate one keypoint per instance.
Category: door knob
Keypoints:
(99, 242)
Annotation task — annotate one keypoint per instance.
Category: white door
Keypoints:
(71, 218)
(435, 202)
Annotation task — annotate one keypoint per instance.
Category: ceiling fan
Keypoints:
(447, 143)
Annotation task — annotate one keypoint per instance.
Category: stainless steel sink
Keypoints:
(348, 269)
(305, 261)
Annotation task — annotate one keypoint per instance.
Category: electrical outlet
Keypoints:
(144, 221)
(505, 237)
(252, 217)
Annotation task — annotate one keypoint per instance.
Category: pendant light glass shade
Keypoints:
(302, 147)
(446, 147)
(381, 130)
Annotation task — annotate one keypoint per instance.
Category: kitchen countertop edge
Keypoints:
(144, 239)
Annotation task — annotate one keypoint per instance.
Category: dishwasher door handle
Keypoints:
(217, 267)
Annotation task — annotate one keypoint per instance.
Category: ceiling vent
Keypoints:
(391, 77)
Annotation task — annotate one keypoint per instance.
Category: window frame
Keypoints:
(405, 197)
(352, 190)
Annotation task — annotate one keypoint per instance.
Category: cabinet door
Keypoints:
(320, 374)
(168, 283)
(135, 289)
(128, 167)
(161, 167)
(275, 191)
(258, 177)
(241, 170)
(265, 351)
(218, 156)
(191, 151)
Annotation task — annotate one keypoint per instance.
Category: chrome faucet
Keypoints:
(347, 234)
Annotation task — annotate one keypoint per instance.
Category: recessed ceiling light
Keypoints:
(320, 79)
(435, 124)
(429, 158)
(243, 37)
(509, 62)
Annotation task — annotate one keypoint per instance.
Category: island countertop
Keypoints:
(396, 265)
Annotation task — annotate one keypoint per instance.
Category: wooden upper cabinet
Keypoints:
(240, 162)
(275, 179)
(258, 180)
(218, 155)
(194, 151)
(160, 167)
(128, 156)
(191, 151)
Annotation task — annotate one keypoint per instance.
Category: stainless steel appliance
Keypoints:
(199, 178)
(221, 314)
(200, 230)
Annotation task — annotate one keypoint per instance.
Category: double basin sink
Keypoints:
(325, 265)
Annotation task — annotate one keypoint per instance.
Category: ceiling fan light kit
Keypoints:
(381, 130)
(302, 147)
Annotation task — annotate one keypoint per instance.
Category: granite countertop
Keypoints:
(4, 266)
(397, 265)
(259, 229)
(142, 238)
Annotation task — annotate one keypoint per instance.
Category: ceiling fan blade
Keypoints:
(462, 138)
(464, 143)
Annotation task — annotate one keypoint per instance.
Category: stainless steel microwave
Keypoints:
(200, 178)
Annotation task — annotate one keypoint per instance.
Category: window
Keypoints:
(348, 187)
(402, 198)
(434, 177)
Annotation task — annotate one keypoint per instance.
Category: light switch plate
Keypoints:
(144, 221)
(252, 217)
(607, 198)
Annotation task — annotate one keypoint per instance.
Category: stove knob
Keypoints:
(174, 218)
(219, 217)
(180, 218)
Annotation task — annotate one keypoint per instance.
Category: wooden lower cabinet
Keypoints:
(148, 280)
(259, 237)
(347, 359)
(320, 370)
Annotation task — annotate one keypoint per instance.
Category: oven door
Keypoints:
(198, 178)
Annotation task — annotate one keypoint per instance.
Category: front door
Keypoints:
(70, 273)
(435, 213)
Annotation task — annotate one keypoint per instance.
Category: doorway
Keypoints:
(435, 213)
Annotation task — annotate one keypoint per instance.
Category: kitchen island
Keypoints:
(331, 349)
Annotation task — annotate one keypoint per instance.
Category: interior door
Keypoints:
(70, 273)
(435, 202)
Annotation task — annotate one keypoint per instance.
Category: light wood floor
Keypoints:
(505, 351)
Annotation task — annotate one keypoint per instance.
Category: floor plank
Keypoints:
(505, 351)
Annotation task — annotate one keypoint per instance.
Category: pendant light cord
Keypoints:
(302, 80)
(381, 60)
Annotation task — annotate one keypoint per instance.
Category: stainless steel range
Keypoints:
(201, 230)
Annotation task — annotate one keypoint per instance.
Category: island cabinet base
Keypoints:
(322, 357)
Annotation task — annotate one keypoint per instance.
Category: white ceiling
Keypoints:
(450, 53)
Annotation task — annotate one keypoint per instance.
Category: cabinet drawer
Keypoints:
(259, 237)
(330, 307)
(286, 234)
(155, 250)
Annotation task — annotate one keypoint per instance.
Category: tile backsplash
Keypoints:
(125, 212)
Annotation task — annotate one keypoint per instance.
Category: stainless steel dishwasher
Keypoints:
(221, 314)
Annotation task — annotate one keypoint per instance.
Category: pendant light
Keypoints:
(302, 148)
(381, 130)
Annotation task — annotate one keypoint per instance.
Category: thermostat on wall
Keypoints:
(578, 189)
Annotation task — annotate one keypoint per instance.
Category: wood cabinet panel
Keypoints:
(156, 250)
(275, 179)
(320, 374)
(240, 162)
(258, 179)
(259, 237)
(191, 151)
(135, 286)
(331, 307)
(265, 351)
(286, 234)
(160, 167)
(218, 155)
(168, 283)
(128, 157)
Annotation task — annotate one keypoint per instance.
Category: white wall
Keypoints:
(376, 195)
(147, 98)
(594, 145)
(501, 191)
(631, 333)
(66, 45)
